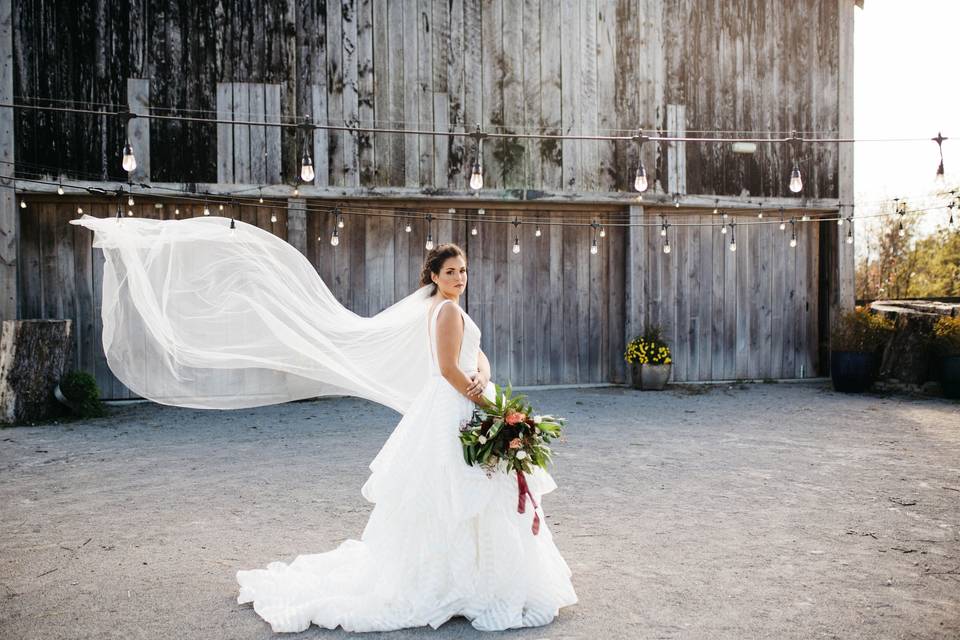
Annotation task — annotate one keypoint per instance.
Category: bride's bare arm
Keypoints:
(449, 338)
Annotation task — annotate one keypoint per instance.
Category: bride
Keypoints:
(213, 309)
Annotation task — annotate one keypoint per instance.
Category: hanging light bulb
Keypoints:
(339, 221)
(840, 220)
(23, 203)
(476, 176)
(760, 213)
(129, 212)
(663, 230)
(129, 162)
(723, 229)
(783, 225)
(273, 217)
(176, 211)
(716, 203)
(130, 200)
(206, 210)
(793, 234)
(593, 247)
(901, 232)
(408, 228)
(726, 215)
(261, 195)
(220, 207)
(60, 189)
(939, 177)
(603, 232)
(538, 233)
(335, 237)
(516, 244)
(805, 217)
(850, 233)
(296, 191)
(79, 210)
(429, 245)
(733, 240)
(676, 201)
(640, 182)
(666, 245)
(796, 182)
(306, 167)
(473, 231)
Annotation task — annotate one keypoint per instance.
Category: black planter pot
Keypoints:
(853, 371)
(950, 376)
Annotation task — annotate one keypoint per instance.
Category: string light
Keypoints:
(723, 227)
(782, 223)
(335, 237)
(339, 221)
(640, 182)
(408, 228)
(273, 217)
(663, 229)
(23, 203)
(666, 244)
(796, 181)
(128, 160)
(307, 174)
(429, 245)
(60, 189)
(760, 212)
(516, 237)
(476, 174)
(850, 230)
(206, 209)
(793, 233)
(603, 231)
(79, 211)
(593, 247)
(130, 200)
(716, 204)
(176, 211)
(260, 199)
(676, 201)
(733, 240)
(538, 233)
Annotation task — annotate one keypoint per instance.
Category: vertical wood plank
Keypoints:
(380, 77)
(138, 129)
(550, 95)
(555, 319)
(241, 133)
(411, 94)
(351, 92)
(513, 153)
(424, 87)
(337, 140)
(717, 330)
(321, 137)
(272, 135)
(225, 133)
(457, 169)
(258, 135)
(491, 114)
(570, 94)
(397, 80)
(607, 121)
(531, 85)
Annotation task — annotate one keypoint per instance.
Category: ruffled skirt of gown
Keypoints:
(443, 539)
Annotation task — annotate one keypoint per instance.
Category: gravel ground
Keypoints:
(750, 511)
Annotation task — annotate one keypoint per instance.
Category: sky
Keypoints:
(905, 85)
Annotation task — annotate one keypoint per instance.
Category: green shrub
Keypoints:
(860, 330)
(81, 390)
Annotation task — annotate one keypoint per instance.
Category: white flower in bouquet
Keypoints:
(521, 454)
(537, 419)
(482, 439)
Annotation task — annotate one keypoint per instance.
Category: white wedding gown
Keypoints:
(443, 539)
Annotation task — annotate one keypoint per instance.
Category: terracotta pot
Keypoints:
(653, 377)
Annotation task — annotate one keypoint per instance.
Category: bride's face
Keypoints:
(452, 279)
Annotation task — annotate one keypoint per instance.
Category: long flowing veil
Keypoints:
(199, 314)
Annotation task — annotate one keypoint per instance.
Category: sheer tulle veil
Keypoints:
(199, 314)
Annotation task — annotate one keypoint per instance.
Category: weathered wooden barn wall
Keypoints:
(552, 298)
(749, 314)
(565, 66)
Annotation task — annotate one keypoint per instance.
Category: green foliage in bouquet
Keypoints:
(860, 330)
(650, 348)
(505, 434)
(81, 390)
(946, 336)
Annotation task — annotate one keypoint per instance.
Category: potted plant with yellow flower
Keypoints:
(856, 339)
(946, 336)
(649, 358)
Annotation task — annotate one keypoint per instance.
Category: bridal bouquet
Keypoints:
(506, 435)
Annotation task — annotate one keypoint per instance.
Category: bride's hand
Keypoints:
(478, 384)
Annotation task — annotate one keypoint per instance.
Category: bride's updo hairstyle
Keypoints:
(434, 262)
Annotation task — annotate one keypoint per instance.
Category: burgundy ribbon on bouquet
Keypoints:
(522, 504)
